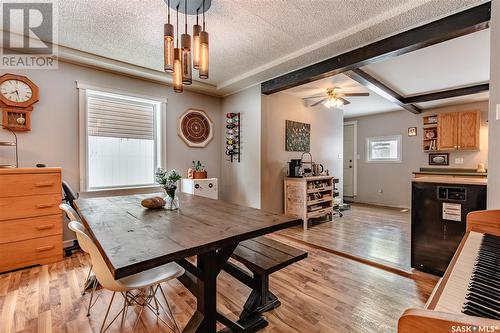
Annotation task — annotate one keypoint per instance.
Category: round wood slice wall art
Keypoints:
(195, 128)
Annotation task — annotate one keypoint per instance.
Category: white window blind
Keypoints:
(119, 118)
(123, 140)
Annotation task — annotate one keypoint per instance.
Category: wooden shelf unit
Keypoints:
(310, 197)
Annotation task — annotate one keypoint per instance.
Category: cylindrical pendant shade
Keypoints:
(187, 77)
(168, 48)
(196, 45)
(177, 77)
(203, 65)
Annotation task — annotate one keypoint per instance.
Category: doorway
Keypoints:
(350, 160)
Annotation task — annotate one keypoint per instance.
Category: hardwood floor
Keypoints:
(376, 233)
(323, 293)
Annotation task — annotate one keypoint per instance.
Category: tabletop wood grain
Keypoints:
(133, 239)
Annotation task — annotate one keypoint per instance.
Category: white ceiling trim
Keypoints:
(344, 34)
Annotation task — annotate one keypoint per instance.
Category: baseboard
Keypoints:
(380, 204)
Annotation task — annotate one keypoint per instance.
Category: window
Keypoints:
(384, 149)
(122, 140)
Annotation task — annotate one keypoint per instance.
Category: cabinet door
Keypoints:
(469, 124)
(447, 131)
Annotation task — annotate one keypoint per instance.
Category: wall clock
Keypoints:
(17, 95)
(195, 128)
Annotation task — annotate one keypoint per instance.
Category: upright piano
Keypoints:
(467, 297)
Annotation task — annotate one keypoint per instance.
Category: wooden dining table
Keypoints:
(132, 239)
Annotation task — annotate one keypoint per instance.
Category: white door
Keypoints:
(350, 159)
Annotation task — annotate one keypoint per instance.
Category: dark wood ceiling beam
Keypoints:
(447, 94)
(381, 89)
(453, 26)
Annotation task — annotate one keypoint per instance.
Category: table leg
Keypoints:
(202, 282)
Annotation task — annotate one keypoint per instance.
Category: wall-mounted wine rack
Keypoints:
(233, 144)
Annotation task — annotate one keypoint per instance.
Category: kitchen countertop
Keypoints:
(451, 172)
(452, 180)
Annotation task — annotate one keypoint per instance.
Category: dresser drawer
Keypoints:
(29, 228)
(29, 184)
(30, 252)
(29, 206)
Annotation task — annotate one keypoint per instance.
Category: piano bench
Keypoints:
(262, 256)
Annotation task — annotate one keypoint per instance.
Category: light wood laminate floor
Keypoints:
(379, 234)
(323, 293)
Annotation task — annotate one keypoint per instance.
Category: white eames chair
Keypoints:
(73, 216)
(149, 281)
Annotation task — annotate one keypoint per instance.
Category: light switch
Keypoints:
(341, 156)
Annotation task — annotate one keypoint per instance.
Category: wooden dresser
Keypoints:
(30, 218)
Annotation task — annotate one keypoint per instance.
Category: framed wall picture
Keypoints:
(297, 136)
(412, 131)
(439, 159)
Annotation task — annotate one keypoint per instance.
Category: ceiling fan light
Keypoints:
(168, 48)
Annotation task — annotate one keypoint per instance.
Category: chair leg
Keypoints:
(124, 314)
(153, 292)
(107, 313)
(171, 314)
(92, 293)
(86, 280)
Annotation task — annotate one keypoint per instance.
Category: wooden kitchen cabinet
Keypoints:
(469, 124)
(447, 131)
(458, 130)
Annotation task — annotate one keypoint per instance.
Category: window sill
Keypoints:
(121, 191)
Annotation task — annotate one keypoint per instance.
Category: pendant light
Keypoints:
(168, 44)
(187, 78)
(177, 77)
(196, 42)
(203, 64)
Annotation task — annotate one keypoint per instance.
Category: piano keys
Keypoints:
(468, 295)
(473, 287)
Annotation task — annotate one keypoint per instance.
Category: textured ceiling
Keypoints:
(250, 40)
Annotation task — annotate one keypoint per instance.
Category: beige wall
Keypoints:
(326, 142)
(394, 179)
(53, 139)
(494, 123)
(241, 181)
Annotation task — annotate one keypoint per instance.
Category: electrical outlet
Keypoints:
(459, 160)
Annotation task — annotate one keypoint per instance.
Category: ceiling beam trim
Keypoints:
(453, 26)
(381, 89)
(470, 90)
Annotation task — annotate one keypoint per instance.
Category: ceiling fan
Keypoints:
(334, 97)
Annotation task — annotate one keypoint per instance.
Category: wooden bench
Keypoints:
(262, 256)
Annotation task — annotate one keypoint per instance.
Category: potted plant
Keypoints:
(199, 170)
(168, 181)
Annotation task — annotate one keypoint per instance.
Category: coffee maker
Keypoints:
(294, 168)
